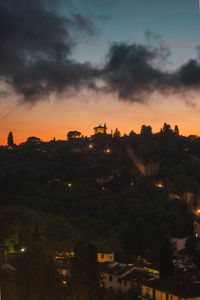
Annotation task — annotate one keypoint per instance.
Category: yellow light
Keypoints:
(69, 185)
(198, 211)
(107, 150)
(132, 183)
(64, 272)
(64, 282)
(23, 249)
(90, 146)
(159, 185)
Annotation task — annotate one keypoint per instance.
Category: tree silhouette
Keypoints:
(84, 272)
(166, 259)
(10, 139)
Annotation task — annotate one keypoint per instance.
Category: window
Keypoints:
(119, 280)
(64, 272)
(110, 278)
(125, 283)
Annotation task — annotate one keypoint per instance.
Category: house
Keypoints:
(137, 277)
(171, 288)
(112, 273)
(123, 277)
(152, 267)
(105, 256)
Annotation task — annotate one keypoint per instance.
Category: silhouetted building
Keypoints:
(100, 129)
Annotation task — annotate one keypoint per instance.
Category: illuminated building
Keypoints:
(100, 129)
(172, 288)
(105, 256)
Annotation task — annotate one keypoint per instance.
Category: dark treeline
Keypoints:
(127, 193)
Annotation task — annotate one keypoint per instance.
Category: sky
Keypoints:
(71, 65)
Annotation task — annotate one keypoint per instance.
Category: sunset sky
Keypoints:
(59, 70)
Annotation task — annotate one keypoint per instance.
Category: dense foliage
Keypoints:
(100, 190)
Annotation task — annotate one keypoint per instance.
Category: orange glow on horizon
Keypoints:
(50, 119)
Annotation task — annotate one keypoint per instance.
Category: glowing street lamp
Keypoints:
(107, 151)
(23, 249)
(159, 185)
(69, 185)
(90, 146)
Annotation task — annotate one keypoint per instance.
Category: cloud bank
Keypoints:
(36, 43)
(35, 47)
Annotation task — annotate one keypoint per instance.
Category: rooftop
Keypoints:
(181, 286)
(114, 268)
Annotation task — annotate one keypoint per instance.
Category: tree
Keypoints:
(36, 277)
(146, 130)
(132, 133)
(176, 130)
(116, 133)
(166, 259)
(73, 135)
(33, 140)
(166, 129)
(191, 247)
(8, 282)
(10, 139)
(84, 273)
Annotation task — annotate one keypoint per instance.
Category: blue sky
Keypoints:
(57, 110)
(177, 21)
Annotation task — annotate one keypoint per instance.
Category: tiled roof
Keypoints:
(114, 268)
(178, 286)
(137, 275)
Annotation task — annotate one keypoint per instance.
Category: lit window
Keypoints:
(107, 150)
(159, 185)
(64, 272)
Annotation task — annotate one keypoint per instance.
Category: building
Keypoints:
(171, 288)
(112, 276)
(105, 256)
(152, 267)
(123, 277)
(100, 129)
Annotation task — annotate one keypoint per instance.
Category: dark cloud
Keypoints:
(135, 71)
(36, 43)
(130, 72)
(35, 46)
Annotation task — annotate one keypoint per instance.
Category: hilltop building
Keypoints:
(100, 129)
